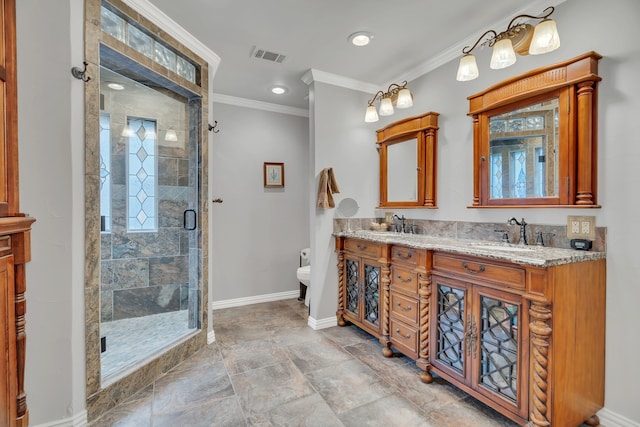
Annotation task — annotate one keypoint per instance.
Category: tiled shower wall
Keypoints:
(145, 273)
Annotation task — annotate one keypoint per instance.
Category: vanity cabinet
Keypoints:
(362, 264)
(15, 248)
(527, 341)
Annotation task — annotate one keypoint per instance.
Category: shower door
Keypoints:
(148, 193)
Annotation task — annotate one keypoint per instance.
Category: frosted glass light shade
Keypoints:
(386, 107)
(405, 99)
(371, 115)
(503, 54)
(545, 37)
(468, 68)
(170, 135)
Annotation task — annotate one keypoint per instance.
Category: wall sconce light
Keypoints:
(397, 95)
(519, 38)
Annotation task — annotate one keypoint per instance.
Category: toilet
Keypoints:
(304, 275)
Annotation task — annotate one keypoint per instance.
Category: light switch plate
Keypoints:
(581, 227)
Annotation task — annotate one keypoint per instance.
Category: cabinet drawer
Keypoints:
(404, 308)
(404, 255)
(404, 278)
(478, 268)
(404, 337)
(363, 247)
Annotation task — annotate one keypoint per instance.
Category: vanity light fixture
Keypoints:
(396, 94)
(360, 38)
(519, 38)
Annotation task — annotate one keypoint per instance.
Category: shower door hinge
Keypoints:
(103, 344)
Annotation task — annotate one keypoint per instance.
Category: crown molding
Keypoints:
(258, 105)
(314, 75)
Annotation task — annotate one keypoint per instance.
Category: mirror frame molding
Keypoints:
(425, 129)
(575, 82)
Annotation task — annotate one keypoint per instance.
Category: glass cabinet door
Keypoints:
(450, 327)
(352, 281)
(371, 294)
(497, 371)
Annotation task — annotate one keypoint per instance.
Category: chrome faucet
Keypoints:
(523, 229)
(403, 219)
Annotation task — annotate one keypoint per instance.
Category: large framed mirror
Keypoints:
(408, 153)
(535, 138)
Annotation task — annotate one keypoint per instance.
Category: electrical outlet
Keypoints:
(581, 227)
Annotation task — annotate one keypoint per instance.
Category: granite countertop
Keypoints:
(540, 256)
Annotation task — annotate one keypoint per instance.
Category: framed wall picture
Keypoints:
(273, 175)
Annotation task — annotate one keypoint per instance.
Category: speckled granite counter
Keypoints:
(540, 256)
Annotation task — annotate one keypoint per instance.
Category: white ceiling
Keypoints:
(408, 36)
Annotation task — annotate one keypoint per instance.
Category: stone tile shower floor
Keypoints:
(268, 368)
(130, 341)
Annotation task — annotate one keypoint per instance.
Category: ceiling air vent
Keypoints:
(258, 53)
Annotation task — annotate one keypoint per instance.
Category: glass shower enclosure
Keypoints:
(148, 207)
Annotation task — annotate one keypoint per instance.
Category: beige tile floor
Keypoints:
(268, 368)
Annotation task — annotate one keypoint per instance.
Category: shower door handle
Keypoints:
(189, 219)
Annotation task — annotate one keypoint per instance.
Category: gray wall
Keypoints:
(257, 233)
(585, 25)
(51, 136)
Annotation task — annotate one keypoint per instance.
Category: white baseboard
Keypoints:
(316, 324)
(211, 337)
(612, 419)
(78, 420)
(238, 302)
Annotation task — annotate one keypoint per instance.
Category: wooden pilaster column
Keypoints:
(585, 185)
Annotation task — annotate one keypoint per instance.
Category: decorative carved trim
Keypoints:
(540, 335)
(385, 281)
(340, 312)
(535, 82)
(424, 294)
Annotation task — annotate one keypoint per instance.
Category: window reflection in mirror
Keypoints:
(535, 137)
(523, 152)
(402, 171)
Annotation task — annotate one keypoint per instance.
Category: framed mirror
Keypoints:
(408, 155)
(535, 138)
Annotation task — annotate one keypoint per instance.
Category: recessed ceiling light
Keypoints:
(360, 38)
(278, 90)
(115, 86)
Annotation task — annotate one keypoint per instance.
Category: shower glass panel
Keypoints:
(149, 263)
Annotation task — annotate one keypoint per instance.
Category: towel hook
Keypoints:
(81, 74)
(213, 128)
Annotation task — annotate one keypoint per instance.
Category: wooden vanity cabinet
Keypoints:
(15, 248)
(527, 341)
(363, 276)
